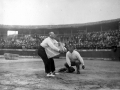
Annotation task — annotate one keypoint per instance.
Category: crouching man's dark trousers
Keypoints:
(74, 63)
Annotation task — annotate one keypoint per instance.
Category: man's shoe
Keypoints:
(78, 72)
(55, 73)
(50, 75)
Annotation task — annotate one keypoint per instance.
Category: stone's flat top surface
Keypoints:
(28, 74)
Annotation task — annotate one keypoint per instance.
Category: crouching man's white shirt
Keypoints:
(73, 56)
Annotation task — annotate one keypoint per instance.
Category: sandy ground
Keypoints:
(28, 74)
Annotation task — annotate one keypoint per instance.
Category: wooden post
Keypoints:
(44, 32)
(118, 25)
(71, 33)
(58, 36)
(86, 29)
(30, 32)
(101, 28)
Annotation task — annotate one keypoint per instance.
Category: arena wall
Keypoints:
(84, 53)
(110, 25)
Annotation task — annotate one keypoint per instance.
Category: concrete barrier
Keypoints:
(102, 53)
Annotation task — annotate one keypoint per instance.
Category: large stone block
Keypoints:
(10, 56)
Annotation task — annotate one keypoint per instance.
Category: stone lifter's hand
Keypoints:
(60, 51)
(83, 66)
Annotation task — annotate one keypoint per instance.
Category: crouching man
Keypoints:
(73, 58)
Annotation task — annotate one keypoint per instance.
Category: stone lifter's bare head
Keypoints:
(52, 35)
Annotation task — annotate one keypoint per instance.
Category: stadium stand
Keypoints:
(86, 40)
(96, 39)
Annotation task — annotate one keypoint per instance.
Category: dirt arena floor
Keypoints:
(28, 74)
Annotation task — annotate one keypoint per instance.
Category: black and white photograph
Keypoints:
(59, 44)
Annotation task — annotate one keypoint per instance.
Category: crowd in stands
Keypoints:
(87, 40)
(96, 40)
(21, 41)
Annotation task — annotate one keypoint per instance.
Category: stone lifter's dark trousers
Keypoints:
(48, 63)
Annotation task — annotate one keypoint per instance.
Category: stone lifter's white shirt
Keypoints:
(48, 42)
(73, 56)
(50, 46)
